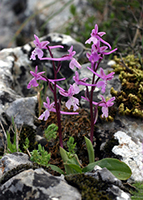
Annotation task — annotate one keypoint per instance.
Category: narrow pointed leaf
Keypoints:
(76, 168)
(65, 159)
(57, 169)
(90, 150)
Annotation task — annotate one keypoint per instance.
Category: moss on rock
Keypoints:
(89, 187)
(130, 99)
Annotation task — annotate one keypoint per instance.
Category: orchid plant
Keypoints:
(98, 50)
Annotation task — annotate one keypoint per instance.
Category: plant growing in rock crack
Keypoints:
(98, 51)
(13, 147)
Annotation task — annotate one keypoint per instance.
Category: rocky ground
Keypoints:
(120, 138)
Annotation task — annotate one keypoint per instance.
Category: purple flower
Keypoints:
(105, 105)
(95, 36)
(73, 63)
(65, 57)
(81, 81)
(73, 101)
(39, 46)
(103, 76)
(69, 56)
(37, 76)
(49, 108)
(97, 52)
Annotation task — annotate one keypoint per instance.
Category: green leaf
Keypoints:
(11, 147)
(116, 167)
(57, 169)
(89, 167)
(76, 168)
(65, 159)
(90, 150)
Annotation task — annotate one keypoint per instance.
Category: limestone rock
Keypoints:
(18, 180)
(37, 184)
(131, 152)
(11, 161)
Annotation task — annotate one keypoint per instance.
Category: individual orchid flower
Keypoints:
(39, 46)
(73, 101)
(73, 63)
(37, 76)
(97, 52)
(49, 108)
(95, 36)
(105, 105)
(103, 76)
(65, 57)
(81, 81)
(69, 56)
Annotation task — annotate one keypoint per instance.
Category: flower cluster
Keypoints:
(98, 50)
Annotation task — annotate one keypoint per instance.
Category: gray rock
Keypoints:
(19, 180)
(11, 161)
(104, 175)
(17, 14)
(23, 110)
(37, 184)
(13, 82)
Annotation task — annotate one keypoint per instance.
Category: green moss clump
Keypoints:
(130, 99)
(89, 187)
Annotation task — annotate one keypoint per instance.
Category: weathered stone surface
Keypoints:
(18, 180)
(11, 161)
(37, 184)
(22, 109)
(13, 78)
(131, 151)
